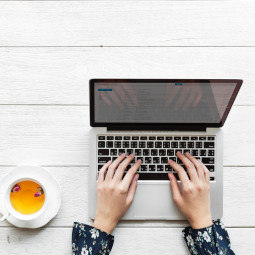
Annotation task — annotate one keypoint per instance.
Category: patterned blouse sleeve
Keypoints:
(87, 240)
(213, 240)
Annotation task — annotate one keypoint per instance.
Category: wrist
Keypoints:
(104, 225)
(202, 223)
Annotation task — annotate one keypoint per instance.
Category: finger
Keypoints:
(177, 197)
(113, 166)
(206, 173)
(189, 166)
(132, 189)
(122, 167)
(130, 173)
(102, 171)
(197, 164)
(180, 171)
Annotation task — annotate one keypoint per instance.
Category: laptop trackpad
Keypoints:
(155, 201)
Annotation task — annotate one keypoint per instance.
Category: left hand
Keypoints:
(114, 195)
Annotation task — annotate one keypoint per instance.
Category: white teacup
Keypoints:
(15, 213)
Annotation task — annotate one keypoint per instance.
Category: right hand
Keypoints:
(194, 200)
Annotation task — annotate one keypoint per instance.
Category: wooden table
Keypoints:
(49, 51)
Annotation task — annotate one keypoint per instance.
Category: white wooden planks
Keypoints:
(128, 241)
(61, 75)
(127, 23)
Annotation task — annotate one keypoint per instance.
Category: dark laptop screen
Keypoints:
(162, 101)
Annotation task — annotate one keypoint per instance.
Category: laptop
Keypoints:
(155, 118)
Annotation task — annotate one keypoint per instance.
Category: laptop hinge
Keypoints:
(158, 127)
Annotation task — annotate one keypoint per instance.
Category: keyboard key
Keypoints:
(210, 168)
(152, 168)
(142, 144)
(121, 151)
(202, 152)
(208, 144)
(118, 137)
(208, 160)
(99, 167)
(173, 158)
(166, 144)
(125, 144)
(186, 150)
(137, 158)
(154, 152)
(152, 138)
(210, 152)
(143, 138)
(144, 168)
(110, 138)
(150, 144)
(146, 152)
(103, 160)
(170, 152)
(183, 144)
(211, 178)
(114, 158)
(169, 138)
(194, 138)
(191, 145)
(153, 176)
(127, 137)
(162, 152)
(135, 137)
(113, 152)
(158, 144)
(133, 144)
(101, 144)
(202, 138)
(174, 144)
(155, 160)
(199, 145)
(101, 137)
(185, 138)
(168, 168)
(160, 138)
(177, 151)
(147, 160)
(194, 153)
(138, 152)
(117, 144)
(164, 160)
(177, 138)
(130, 151)
(109, 144)
(210, 138)
(160, 168)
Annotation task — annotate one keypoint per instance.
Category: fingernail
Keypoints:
(170, 176)
(139, 161)
(136, 177)
(123, 154)
(109, 162)
(170, 160)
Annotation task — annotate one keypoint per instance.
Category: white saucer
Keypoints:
(51, 186)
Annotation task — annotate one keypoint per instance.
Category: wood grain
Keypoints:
(52, 241)
(127, 23)
(61, 75)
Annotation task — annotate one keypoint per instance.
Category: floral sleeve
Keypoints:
(87, 240)
(213, 240)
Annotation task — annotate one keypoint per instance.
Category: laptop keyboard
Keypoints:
(155, 151)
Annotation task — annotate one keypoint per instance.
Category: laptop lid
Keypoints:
(161, 103)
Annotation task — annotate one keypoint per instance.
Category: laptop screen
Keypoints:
(162, 101)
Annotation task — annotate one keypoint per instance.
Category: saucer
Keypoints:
(51, 186)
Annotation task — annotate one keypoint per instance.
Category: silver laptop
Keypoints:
(155, 118)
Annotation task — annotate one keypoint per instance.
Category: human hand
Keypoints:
(114, 195)
(194, 200)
